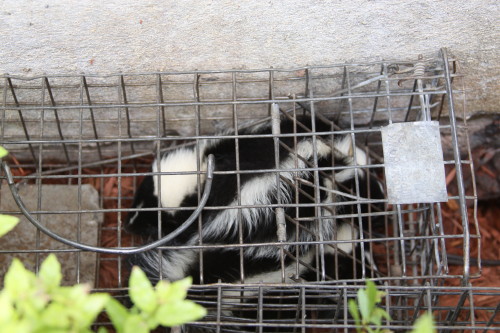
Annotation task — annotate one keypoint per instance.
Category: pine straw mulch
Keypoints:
(488, 216)
(487, 183)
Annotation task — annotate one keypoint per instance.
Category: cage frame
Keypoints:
(344, 95)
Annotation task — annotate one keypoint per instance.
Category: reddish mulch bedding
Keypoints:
(487, 178)
(111, 265)
(488, 216)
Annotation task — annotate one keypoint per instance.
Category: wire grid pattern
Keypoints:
(102, 129)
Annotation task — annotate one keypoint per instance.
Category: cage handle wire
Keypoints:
(117, 250)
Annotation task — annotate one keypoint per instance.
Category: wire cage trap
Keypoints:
(288, 217)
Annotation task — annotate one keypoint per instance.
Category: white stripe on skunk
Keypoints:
(175, 187)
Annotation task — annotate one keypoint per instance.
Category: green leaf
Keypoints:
(364, 306)
(7, 313)
(91, 308)
(373, 294)
(178, 313)
(117, 313)
(56, 316)
(65, 294)
(3, 152)
(28, 311)
(18, 326)
(18, 280)
(383, 313)
(377, 315)
(135, 324)
(353, 310)
(141, 291)
(173, 292)
(72, 296)
(424, 324)
(7, 223)
(376, 319)
(370, 330)
(50, 272)
(102, 329)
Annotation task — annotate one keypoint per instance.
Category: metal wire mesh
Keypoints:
(106, 131)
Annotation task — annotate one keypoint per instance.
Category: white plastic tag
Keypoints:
(414, 167)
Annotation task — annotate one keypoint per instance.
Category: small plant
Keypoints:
(7, 222)
(30, 303)
(39, 304)
(164, 305)
(369, 314)
(424, 324)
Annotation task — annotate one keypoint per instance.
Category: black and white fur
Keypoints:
(255, 224)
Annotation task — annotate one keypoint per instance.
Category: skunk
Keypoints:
(321, 188)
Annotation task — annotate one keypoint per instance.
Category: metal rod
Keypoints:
(458, 166)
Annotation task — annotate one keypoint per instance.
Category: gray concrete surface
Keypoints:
(73, 36)
(76, 267)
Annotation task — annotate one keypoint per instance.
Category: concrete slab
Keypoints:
(58, 208)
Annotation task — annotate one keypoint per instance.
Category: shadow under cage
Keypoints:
(268, 187)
